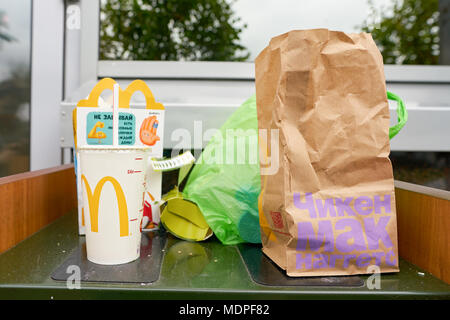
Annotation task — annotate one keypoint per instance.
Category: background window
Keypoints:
(15, 55)
(431, 169)
(406, 31)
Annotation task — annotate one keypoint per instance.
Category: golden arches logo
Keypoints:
(124, 98)
(124, 95)
(94, 203)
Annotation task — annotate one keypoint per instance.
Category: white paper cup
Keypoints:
(113, 185)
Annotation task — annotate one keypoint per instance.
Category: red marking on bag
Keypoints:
(131, 171)
(277, 220)
(281, 232)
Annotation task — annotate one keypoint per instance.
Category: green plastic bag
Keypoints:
(227, 190)
(402, 115)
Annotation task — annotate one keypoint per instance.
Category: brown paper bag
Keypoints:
(329, 209)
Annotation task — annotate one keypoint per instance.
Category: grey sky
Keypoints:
(268, 18)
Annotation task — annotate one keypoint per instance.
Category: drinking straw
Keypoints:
(115, 115)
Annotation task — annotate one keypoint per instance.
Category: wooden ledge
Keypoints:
(31, 200)
(33, 174)
(432, 192)
(423, 223)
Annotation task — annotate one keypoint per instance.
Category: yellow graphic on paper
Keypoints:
(93, 134)
(124, 95)
(94, 202)
(152, 198)
(124, 98)
(183, 218)
(82, 217)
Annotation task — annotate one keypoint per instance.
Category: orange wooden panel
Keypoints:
(29, 201)
(424, 227)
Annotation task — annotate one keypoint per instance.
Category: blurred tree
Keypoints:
(14, 111)
(407, 32)
(14, 121)
(170, 30)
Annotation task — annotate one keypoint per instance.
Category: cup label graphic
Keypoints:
(99, 128)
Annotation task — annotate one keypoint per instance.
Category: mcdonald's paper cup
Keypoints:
(113, 185)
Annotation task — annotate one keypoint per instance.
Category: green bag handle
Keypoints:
(402, 115)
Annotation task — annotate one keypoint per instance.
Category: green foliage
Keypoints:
(408, 33)
(170, 30)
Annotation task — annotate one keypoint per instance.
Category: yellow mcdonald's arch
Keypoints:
(124, 98)
(94, 199)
